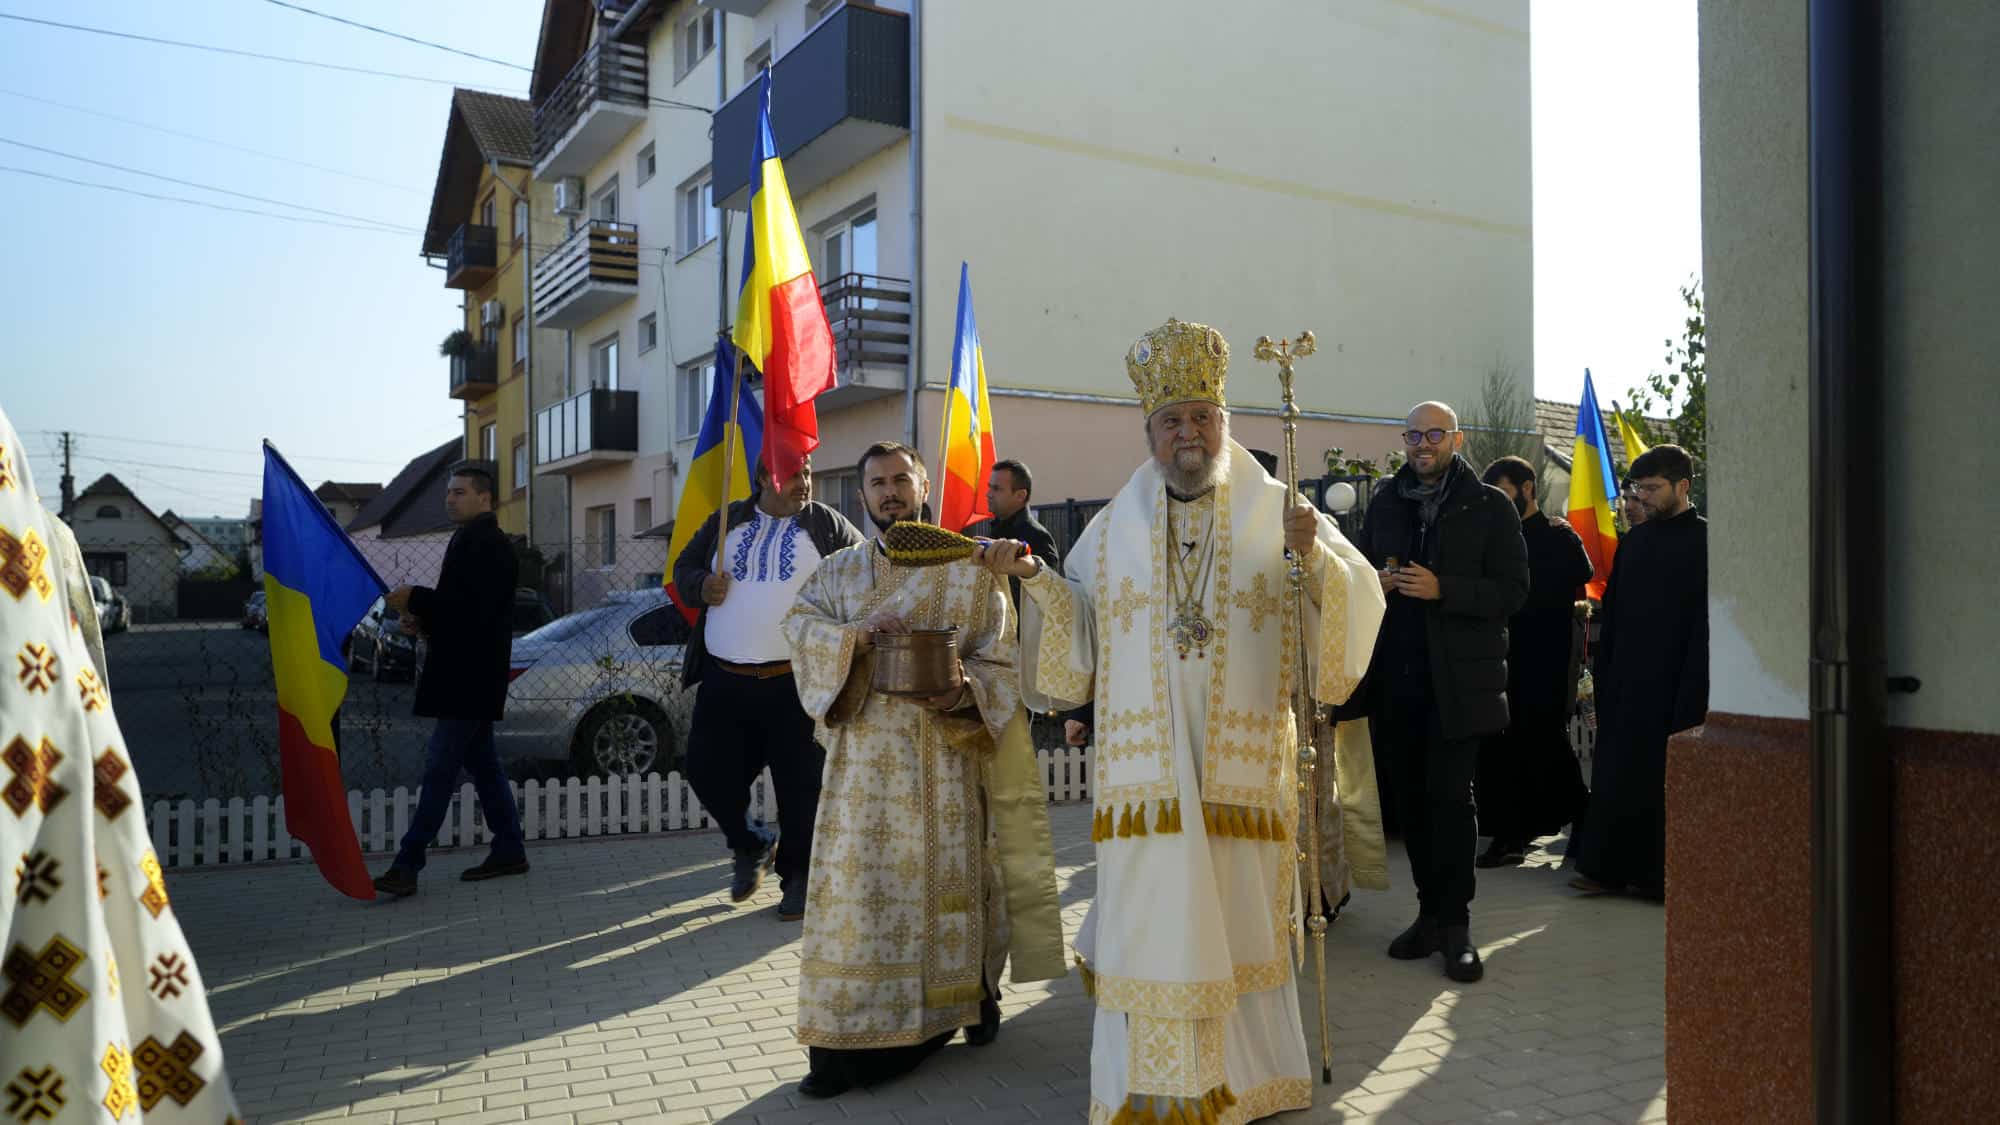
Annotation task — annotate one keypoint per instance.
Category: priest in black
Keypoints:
(1529, 783)
(1651, 669)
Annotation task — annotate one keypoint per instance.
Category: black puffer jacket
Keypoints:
(1481, 562)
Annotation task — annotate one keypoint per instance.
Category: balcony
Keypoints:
(871, 336)
(837, 98)
(476, 372)
(592, 272)
(469, 257)
(736, 7)
(595, 429)
(602, 98)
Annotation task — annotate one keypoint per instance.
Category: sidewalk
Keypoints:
(617, 983)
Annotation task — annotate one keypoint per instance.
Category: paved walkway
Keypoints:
(617, 983)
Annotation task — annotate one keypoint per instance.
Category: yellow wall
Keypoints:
(506, 404)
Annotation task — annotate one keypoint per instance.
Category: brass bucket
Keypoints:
(918, 663)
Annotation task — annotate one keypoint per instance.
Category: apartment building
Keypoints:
(1361, 170)
(488, 216)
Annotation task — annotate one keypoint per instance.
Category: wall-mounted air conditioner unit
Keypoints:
(569, 195)
(490, 312)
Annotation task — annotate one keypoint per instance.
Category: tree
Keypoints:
(1504, 421)
(1681, 391)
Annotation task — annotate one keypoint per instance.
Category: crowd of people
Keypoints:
(1446, 640)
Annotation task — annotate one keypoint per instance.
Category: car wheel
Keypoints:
(620, 738)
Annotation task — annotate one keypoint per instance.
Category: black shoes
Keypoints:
(818, 1085)
(750, 865)
(1502, 853)
(1461, 959)
(1422, 939)
(987, 1029)
(400, 882)
(494, 868)
(792, 907)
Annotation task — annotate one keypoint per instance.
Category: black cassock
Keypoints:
(1651, 669)
(1529, 782)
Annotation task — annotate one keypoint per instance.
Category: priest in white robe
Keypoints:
(1174, 620)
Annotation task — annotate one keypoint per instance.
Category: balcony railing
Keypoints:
(593, 270)
(469, 257)
(597, 427)
(602, 98)
(870, 317)
(476, 372)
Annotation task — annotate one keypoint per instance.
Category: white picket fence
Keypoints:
(253, 831)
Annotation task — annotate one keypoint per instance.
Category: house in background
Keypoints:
(230, 536)
(402, 531)
(1557, 423)
(345, 500)
(201, 555)
(127, 545)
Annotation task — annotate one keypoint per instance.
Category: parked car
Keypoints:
(114, 611)
(379, 645)
(253, 613)
(531, 611)
(602, 687)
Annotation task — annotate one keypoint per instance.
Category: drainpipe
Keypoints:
(916, 223)
(1853, 982)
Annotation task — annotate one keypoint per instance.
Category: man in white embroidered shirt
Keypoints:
(746, 712)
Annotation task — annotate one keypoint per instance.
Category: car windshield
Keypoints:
(101, 588)
(571, 625)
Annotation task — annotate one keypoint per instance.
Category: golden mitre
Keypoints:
(1178, 362)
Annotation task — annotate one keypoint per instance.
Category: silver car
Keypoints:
(602, 687)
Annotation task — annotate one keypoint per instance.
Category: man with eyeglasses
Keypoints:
(1454, 567)
(1651, 670)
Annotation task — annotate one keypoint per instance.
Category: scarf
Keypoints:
(1429, 498)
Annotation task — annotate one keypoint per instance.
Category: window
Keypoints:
(642, 515)
(697, 218)
(520, 340)
(849, 246)
(489, 441)
(756, 62)
(663, 626)
(110, 512)
(649, 333)
(486, 210)
(840, 489)
(600, 530)
(648, 163)
(693, 384)
(108, 565)
(604, 363)
(520, 220)
(520, 464)
(604, 202)
(697, 40)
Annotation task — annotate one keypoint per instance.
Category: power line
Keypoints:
(213, 141)
(199, 202)
(174, 468)
(220, 448)
(396, 34)
(250, 54)
(205, 187)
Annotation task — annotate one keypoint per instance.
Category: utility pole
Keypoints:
(68, 481)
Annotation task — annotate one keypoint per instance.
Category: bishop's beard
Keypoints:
(1189, 480)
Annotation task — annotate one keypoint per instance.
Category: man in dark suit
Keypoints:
(1009, 490)
(463, 685)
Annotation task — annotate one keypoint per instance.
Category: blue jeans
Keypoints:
(463, 744)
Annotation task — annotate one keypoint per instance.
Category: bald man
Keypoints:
(1454, 567)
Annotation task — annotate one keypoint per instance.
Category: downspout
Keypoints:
(916, 223)
(1853, 982)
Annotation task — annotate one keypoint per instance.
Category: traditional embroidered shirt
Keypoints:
(1185, 651)
(102, 1013)
(767, 559)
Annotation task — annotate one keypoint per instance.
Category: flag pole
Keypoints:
(729, 459)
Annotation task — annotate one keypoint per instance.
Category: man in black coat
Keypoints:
(469, 621)
(1009, 490)
(1455, 568)
(747, 714)
(1651, 669)
(1530, 784)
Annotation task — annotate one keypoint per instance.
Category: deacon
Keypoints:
(1174, 618)
(932, 855)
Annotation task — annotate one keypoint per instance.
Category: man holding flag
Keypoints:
(747, 714)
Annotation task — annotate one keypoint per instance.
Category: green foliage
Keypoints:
(456, 343)
(1681, 391)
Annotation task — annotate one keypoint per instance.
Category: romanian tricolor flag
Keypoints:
(1592, 487)
(781, 326)
(1635, 446)
(316, 587)
(726, 445)
(967, 459)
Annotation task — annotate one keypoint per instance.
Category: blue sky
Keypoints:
(127, 318)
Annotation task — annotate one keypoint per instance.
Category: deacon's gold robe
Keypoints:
(931, 854)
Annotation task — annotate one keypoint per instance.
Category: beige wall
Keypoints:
(1939, 342)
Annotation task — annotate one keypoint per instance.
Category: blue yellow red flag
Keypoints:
(1635, 446)
(317, 585)
(781, 326)
(727, 443)
(1592, 485)
(967, 458)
